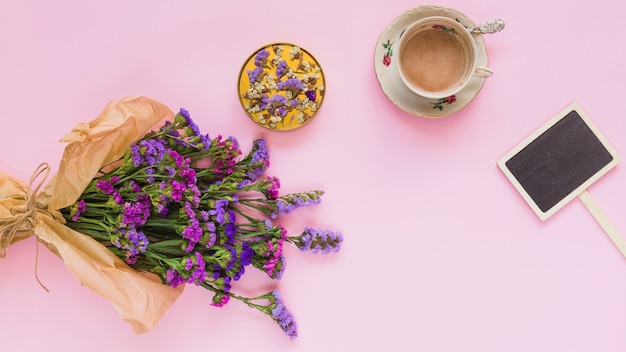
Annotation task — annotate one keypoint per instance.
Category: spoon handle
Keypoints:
(491, 26)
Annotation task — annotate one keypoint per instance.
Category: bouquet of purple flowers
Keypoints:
(192, 209)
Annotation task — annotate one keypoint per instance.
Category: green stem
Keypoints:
(93, 222)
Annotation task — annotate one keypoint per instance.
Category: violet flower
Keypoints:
(283, 316)
(281, 69)
(318, 240)
(261, 57)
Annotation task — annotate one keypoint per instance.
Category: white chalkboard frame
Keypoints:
(543, 215)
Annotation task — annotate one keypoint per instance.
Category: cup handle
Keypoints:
(483, 72)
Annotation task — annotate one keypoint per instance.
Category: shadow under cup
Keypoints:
(436, 57)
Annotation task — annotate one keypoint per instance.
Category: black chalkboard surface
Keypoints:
(559, 161)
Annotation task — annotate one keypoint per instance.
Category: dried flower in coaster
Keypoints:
(281, 86)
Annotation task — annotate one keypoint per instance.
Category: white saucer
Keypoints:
(388, 76)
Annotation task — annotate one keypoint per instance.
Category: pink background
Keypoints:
(440, 254)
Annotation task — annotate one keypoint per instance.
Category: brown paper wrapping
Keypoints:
(140, 299)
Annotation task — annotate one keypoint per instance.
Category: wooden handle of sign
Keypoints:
(602, 219)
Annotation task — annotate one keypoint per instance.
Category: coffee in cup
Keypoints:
(437, 57)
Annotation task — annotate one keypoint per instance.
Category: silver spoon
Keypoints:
(491, 26)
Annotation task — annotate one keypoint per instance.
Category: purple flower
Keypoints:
(212, 239)
(192, 127)
(292, 85)
(224, 162)
(192, 233)
(274, 253)
(105, 186)
(203, 142)
(149, 179)
(260, 153)
(199, 274)
(179, 160)
(281, 69)
(189, 175)
(261, 58)
(162, 205)
(78, 209)
(219, 211)
(184, 113)
(134, 186)
(176, 190)
(136, 153)
(217, 273)
(162, 210)
(276, 101)
(246, 254)
(263, 102)
(281, 267)
(135, 213)
(318, 240)
(130, 240)
(117, 197)
(189, 210)
(311, 95)
(230, 230)
(233, 259)
(254, 75)
(152, 150)
(259, 160)
(291, 202)
(147, 151)
(188, 263)
(191, 137)
(170, 129)
(171, 172)
(272, 191)
(173, 278)
(139, 240)
(220, 300)
(282, 316)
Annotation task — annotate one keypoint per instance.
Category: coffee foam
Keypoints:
(434, 60)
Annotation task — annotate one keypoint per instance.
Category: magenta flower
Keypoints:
(77, 209)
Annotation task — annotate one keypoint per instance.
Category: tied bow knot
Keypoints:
(24, 221)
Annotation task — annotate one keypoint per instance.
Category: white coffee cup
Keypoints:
(437, 57)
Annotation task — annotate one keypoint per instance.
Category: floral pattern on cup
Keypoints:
(441, 103)
(388, 54)
(284, 89)
(443, 28)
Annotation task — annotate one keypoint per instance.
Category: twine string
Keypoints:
(25, 220)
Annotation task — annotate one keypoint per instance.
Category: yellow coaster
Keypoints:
(281, 86)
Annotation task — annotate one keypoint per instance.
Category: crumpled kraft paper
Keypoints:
(140, 299)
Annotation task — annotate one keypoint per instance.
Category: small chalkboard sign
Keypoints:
(558, 162)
